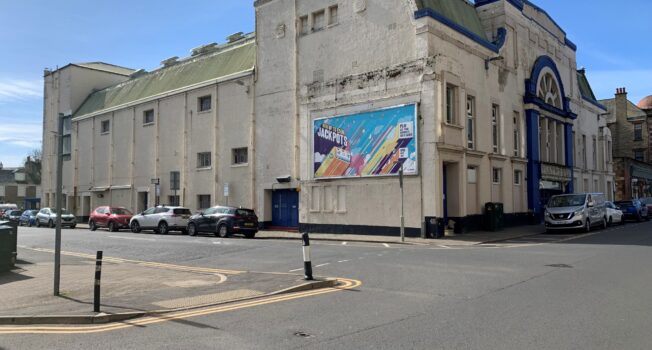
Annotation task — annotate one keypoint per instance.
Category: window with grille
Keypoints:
(204, 201)
(204, 103)
(470, 122)
(148, 117)
(240, 156)
(204, 160)
(105, 126)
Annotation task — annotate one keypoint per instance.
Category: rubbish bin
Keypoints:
(8, 243)
(492, 219)
(441, 228)
(434, 227)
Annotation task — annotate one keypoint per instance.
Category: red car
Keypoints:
(111, 217)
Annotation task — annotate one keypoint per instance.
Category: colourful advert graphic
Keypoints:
(374, 143)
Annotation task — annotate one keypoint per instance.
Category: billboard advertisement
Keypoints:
(372, 143)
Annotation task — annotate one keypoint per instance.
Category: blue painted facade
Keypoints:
(532, 132)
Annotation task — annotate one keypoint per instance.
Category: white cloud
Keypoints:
(25, 135)
(638, 83)
(319, 157)
(20, 90)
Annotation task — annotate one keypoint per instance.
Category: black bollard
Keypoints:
(98, 278)
(307, 265)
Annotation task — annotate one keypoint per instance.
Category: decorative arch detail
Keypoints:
(545, 88)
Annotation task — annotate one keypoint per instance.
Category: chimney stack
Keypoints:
(621, 91)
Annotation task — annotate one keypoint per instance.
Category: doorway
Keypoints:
(142, 201)
(285, 208)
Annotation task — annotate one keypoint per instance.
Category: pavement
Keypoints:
(129, 288)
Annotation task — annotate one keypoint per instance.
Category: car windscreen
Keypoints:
(182, 211)
(567, 201)
(120, 211)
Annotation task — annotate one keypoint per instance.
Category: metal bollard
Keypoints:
(98, 278)
(307, 264)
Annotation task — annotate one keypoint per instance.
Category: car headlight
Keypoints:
(578, 212)
(547, 213)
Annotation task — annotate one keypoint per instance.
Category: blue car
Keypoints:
(28, 218)
(633, 210)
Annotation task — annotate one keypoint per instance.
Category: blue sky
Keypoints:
(613, 39)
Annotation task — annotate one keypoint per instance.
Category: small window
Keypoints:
(451, 98)
(495, 127)
(303, 25)
(517, 177)
(204, 201)
(173, 200)
(204, 103)
(332, 15)
(203, 160)
(496, 175)
(472, 175)
(148, 117)
(638, 132)
(240, 155)
(470, 122)
(517, 134)
(106, 126)
(639, 155)
(175, 179)
(318, 20)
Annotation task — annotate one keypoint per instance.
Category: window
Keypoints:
(105, 126)
(204, 160)
(495, 175)
(495, 127)
(332, 15)
(517, 177)
(638, 132)
(318, 20)
(451, 110)
(517, 134)
(67, 140)
(239, 155)
(470, 127)
(584, 161)
(204, 103)
(148, 117)
(472, 175)
(173, 200)
(204, 201)
(303, 25)
(639, 155)
(175, 178)
(594, 144)
(609, 151)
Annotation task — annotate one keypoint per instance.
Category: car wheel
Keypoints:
(184, 231)
(587, 226)
(192, 230)
(112, 227)
(610, 221)
(92, 226)
(250, 235)
(163, 228)
(639, 218)
(73, 226)
(38, 223)
(222, 231)
(50, 224)
(604, 222)
(29, 224)
(135, 227)
(622, 220)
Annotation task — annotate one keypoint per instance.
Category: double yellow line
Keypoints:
(344, 284)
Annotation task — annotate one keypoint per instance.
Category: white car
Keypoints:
(614, 215)
(161, 220)
(48, 217)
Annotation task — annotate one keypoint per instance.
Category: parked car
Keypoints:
(161, 219)
(48, 217)
(633, 210)
(113, 218)
(224, 221)
(572, 211)
(13, 215)
(614, 215)
(648, 203)
(5, 207)
(28, 218)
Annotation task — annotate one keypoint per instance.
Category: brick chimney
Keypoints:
(620, 108)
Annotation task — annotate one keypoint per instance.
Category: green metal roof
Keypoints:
(205, 67)
(585, 87)
(459, 11)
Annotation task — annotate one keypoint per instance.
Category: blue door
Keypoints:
(285, 208)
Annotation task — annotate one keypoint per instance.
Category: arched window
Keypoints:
(548, 90)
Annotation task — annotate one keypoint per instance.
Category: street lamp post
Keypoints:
(59, 190)
(400, 180)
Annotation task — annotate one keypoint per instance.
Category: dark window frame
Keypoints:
(201, 103)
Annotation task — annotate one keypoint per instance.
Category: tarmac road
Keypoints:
(543, 292)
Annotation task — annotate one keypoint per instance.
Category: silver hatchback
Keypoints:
(48, 217)
(161, 219)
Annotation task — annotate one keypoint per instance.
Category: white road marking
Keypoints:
(342, 261)
(295, 270)
(343, 243)
(217, 242)
(323, 265)
(386, 245)
(134, 238)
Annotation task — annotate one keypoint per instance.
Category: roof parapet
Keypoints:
(204, 49)
(170, 61)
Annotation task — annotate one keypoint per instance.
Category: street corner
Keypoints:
(136, 292)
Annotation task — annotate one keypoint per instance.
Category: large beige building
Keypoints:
(309, 120)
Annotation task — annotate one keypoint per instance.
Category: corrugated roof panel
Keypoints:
(458, 11)
(185, 73)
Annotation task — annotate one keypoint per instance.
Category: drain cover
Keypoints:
(302, 334)
(561, 266)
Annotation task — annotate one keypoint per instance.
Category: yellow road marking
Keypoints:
(142, 263)
(345, 284)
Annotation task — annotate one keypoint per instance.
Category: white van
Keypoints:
(576, 211)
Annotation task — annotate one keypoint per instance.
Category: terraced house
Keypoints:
(310, 119)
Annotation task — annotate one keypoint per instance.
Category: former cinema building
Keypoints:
(309, 119)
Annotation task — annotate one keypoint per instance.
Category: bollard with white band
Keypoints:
(98, 278)
(307, 264)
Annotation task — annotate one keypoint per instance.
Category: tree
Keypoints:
(33, 166)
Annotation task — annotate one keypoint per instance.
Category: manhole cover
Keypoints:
(561, 266)
(302, 334)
